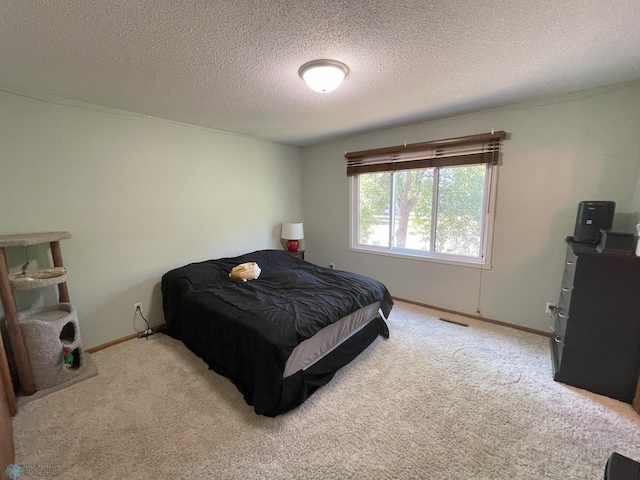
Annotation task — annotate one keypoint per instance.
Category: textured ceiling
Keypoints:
(233, 65)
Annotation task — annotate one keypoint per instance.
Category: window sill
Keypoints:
(421, 258)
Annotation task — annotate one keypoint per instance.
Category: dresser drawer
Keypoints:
(561, 318)
(570, 256)
(570, 262)
(557, 347)
(564, 302)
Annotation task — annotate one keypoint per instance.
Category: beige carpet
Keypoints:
(87, 370)
(435, 401)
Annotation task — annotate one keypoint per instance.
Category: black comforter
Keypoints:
(247, 330)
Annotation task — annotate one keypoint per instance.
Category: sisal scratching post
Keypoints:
(52, 339)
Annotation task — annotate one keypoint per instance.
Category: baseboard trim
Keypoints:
(121, 340)
(433, 307)
(476, 317)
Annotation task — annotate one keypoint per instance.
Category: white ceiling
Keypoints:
(232, 65)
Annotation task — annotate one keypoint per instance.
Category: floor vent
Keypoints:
(454, 322)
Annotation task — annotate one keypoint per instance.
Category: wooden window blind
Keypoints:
(469, 150)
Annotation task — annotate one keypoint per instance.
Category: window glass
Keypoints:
(373, 209)
(438, 212)
(413, 209)
(460, 206)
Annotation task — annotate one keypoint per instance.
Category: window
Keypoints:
(431, 202)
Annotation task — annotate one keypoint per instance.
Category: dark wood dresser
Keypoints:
(596, 341)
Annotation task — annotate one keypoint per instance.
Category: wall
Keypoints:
(559, 151)
(139, 195)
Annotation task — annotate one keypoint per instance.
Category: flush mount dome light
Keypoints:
(323, 76)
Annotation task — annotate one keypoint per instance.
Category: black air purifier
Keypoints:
(593, 216)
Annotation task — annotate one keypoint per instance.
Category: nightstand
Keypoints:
(299, 254)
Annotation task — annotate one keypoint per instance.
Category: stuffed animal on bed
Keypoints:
(245, 271)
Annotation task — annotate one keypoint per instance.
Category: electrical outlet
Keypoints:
(332, 266)
(137, 307)
(549, 308)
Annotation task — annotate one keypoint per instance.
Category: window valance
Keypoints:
(469, 150)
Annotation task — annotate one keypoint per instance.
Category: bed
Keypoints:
(280, 337)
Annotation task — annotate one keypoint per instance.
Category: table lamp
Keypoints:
(292, 232)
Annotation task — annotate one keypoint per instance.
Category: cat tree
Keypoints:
(46, 340)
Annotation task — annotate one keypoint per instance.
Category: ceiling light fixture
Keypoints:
(323, 76)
